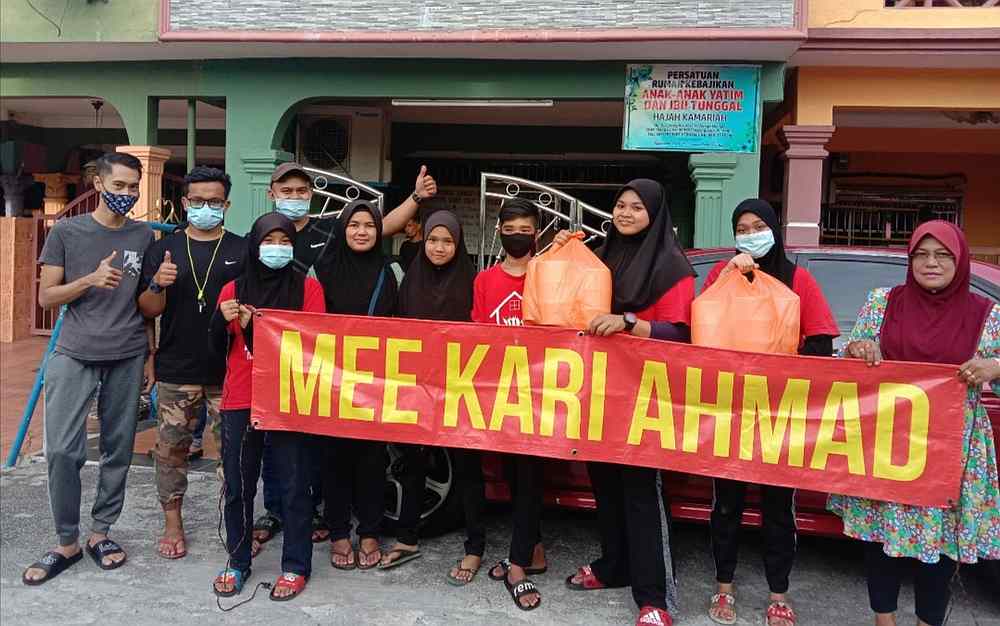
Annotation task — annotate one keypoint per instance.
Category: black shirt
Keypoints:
(409, 251)
(183, 357)
(311, 242)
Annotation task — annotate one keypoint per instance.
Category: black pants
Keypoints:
(635, 534)
(527, 491)
(353, 479)
(467, 468)
(931, 583)
(777, 510)
(242, 449)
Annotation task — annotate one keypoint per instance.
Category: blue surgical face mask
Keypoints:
(292, 208)
(757, 244)
(204, 217)
(276, 256)
(120, 203)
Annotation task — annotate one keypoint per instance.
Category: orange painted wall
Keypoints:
(972, 152)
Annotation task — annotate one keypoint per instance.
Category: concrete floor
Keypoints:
(828, 583)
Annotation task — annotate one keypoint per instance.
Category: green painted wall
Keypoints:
(79, 21)
(262, 96)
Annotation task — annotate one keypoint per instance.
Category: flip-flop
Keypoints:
(105, 548)
(405, 556)
(504, 564)
(269, 524)
(295, 582)
(520, 589)
(373, 564)
(53, 564)
(458, 582)
(172, 542)
(352, 565)
(239, 579)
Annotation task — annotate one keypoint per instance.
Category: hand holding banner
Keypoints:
(889, 433)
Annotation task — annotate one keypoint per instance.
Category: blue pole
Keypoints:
(36, 391)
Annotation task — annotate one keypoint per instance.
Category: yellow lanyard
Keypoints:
(194, 272)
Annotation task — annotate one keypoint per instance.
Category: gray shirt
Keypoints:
(102, 324)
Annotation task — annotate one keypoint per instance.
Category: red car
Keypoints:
(846, 276)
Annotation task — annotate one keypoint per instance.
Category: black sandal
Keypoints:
(104, 549)
(319, 526)
(53, 564)
(269, 524)
(504, 565)
(521, 589)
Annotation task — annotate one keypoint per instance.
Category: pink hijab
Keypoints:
(942, 327)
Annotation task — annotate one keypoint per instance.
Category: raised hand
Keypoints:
(105, 276)
(426, 186)
(167, 274)
(742, 262)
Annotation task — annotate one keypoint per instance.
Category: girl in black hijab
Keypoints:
(652, 291)
(268, 281)
(761, 248)
(438, 286)
(357, 280)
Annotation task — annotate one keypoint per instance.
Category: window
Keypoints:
(846, 283)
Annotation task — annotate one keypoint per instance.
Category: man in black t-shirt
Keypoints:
(182, 276)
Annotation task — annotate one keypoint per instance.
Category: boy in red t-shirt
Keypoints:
(497, 297)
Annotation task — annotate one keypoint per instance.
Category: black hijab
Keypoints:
(262, 287)
(439, 293)
(775, 262)
(646, 265)
(349, 278)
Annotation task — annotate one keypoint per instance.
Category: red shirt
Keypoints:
(239, 363)
(815, 317)
(674, 306)
(496, 298)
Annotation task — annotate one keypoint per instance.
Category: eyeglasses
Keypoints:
(923, 256)
(212, 204)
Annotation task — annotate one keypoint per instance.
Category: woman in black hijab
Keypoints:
(761, 248)
(357, 280)
(268, 282)
(438, 286)
(652, 291)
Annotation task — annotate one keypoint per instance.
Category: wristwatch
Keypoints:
(630, 321)
(154, 288)
(416, 198)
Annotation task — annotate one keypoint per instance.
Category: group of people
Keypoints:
(202, 282)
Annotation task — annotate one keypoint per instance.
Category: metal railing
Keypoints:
(557, 209)
(324, 183)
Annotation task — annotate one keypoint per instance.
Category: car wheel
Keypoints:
(441, 509)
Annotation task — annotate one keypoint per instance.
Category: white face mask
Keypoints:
(757, 244)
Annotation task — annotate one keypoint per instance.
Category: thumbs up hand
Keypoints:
(106, 276)
(167, 274)
(426, 186)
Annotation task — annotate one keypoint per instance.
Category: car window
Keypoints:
(846, 283)
(702, 265)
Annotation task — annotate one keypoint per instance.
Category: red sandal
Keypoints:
(588, 581)
(295, 582)
(779, 610)
(653, 616)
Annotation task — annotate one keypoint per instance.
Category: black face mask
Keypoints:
(516, 246)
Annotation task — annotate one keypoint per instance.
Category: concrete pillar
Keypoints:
(17, 272)
(712, 223)
(56, 194)
(258, 167)
(151, 186)
(803, 194)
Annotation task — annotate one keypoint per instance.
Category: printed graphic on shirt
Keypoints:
(509, 313)
(131, 263)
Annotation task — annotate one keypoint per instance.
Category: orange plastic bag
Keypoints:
(566, 286)
(758, 316)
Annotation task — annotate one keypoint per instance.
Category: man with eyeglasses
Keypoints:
(182, 275)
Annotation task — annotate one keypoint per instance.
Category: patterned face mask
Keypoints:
(120, 203)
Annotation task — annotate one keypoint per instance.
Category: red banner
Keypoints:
(891, 433)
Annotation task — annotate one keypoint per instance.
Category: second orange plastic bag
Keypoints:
(758, 316)
(566, 286)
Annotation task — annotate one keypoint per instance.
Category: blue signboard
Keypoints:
(692, 108)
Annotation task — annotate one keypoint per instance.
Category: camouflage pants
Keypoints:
(178, 410)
